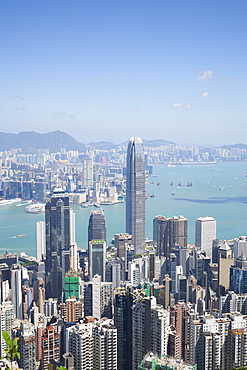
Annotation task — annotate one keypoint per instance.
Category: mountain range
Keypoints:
(54, 141)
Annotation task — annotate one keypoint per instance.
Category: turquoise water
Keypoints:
(204, 198)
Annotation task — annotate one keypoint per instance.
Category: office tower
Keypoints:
(123, 322)
(71, 310)
(40, 240)
(240, 247)
(74, 257)
(201, 268)
(160, 234)
(16, 290)
(205, 233)
(88, 172)
(135, 194)
(27, 346)
(97, 225)
(155, 362)
(72, 227)
(39, 192)
(97, 244)
(6, 322)
(57, 218)
(150, 323)
(113, 272)
(93, 344)
(50, 346)
(238, 275)
(122, 242)
(98, 298)
(226, 260)
(178, 232)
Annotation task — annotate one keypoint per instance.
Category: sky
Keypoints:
(108, 70)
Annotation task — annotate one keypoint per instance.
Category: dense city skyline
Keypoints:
(159, 70)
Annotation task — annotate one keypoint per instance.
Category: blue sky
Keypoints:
(108, 70)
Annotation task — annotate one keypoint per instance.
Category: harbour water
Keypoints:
(218, 190)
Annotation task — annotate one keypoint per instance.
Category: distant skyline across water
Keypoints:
(217, 190)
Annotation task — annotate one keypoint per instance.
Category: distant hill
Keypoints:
(26, 140)
(153, 143)
(157, 143)
(239, 146)
(103, 145)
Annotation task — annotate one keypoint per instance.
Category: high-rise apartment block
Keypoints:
(50, 346)
(205, 233)
(93, 344)
(150, 323)
(27, 346)
(57, 218)
(135, 194)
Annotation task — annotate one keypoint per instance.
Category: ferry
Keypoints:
(25, 258)
(35, 208)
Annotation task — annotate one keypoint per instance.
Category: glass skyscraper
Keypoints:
(57, 219)
(97, 244)
(135, 194)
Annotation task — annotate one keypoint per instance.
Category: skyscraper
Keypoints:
(40, 240)
(97, 243)
(205, 234)
(57, 218)
(88, 172)
(135, 194)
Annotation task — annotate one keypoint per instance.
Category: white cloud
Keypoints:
(206, 75)
(179, 105)
(133, 109)
(16, 97)
(63, 114)
(205, 94)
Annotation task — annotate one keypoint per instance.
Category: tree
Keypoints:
(12, 350)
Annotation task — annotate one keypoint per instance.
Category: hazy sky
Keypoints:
(108, 70)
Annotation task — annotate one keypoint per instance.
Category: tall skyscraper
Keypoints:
(40, 240)
(57, 218)
(135, 194)
(97, 244)
(205, 234)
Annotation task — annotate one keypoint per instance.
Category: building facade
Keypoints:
(135, 194)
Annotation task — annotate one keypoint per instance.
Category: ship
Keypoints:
(21, 235)
(35, 208)
(158, 183)
(171, 183)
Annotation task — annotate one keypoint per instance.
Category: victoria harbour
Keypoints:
(218, 190)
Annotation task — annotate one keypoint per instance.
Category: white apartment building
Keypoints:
(93, 344)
